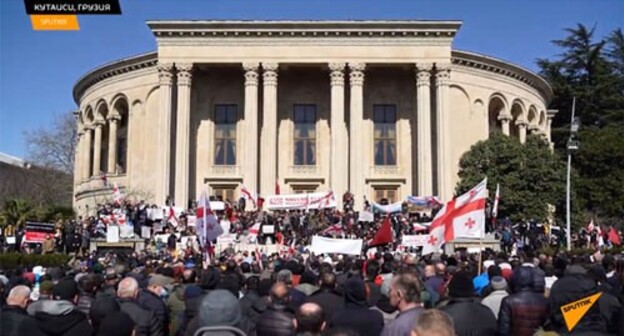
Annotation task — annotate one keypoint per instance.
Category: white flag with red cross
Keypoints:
(206, 224)
(463, 216)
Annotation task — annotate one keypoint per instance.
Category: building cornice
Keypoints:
(113, 69)
(308, 29)
(500, 67)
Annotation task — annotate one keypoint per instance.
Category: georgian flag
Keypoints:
(117, 196)
(207, 225)
(254, 230)
(336, 228)
(496, 199)
(249, 196)
(463, 216)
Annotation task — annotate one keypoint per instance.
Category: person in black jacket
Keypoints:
(152, 299)
(14, 321)
(327, 297)
(469, 316)
(60, 316)
(251, 294)
(146, 322)
(525, 310)
(277, 320)
(356, 315)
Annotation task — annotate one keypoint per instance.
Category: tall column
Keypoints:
(183, 131)
(522, 128)
(268, 172)
(357, 148)
(505, 118)
(339, 162)
(112, 144)
(79, 155)
(250, 161)
(86, 173)
(423, 91)
(97, 148)
(165, 76)
(445, 189)
(550, 115)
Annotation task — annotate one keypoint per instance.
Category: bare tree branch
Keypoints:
(54, 147)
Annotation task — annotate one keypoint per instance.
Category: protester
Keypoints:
(218, 309)
(495, 298)
(152, 298)
(100, 308)
(356, 315)
(14, 321)
(327, 297)
(277, 319)
(147, 324)
(405, 295)
(434, 322)
(118, 324)
(309, 320)
(61, 316)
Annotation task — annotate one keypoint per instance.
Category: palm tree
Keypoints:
(16, 212)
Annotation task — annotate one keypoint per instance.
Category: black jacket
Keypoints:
(146, 323)
(366, 322)
(157, 306)
(14, 321)
(329, 299)
(277, 320)
(247, 301)
(84, 302)
(58, 318)
(526, 310)
(471, 318)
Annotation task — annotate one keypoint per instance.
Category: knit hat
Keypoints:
(220, 308)
(65, 290)
(498, 283)
(160, 280)
(46, 286)
(117, 323)
(461, 285)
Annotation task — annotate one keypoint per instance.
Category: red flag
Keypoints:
(260, 202)
(614, 237)
(277, 187)
(383, 235)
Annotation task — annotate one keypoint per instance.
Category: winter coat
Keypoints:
(58, 318)
(388, 311)
(494, 300)
(275, 321)
(329, 299)
(84, 302)
(403, 324)
(146, 324)
(306, 289)
(366, 322)
(35, 307)
(524, 311)
(175, 304)
(15, 322)
(247, 301)
(470, 318)
(157, 306)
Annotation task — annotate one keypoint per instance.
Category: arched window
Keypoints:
(496, 107)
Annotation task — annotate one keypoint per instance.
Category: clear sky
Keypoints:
(38, 69)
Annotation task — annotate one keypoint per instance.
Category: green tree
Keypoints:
(16, 212)
(530, 175)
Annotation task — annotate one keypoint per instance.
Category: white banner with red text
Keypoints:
(317, 200)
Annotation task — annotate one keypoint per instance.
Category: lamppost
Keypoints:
(572, 146)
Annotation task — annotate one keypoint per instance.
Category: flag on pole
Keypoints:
(171, 218)
(383, 235)
(117, 196)
(249, 196)
(259, 259)
(496, 199)
(336, 228)
(463, 216)
(201, 219)
(277, 187)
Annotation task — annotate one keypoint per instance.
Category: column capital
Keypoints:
(251, 73)
(504, 117)
(114, 117)
(269, 74)
(185, 73)
(87, 128)
(99, 122)
(165, 73)
(423, 74)
(550, 114)
(533, 128)
(521, 123)
(443, 73)
(356, 73)
(336, 74)
(425, 66)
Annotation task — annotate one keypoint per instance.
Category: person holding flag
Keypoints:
(207, 227)
(463, 216)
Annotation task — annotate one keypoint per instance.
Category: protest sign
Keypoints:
(190, 220)
(226, 239)
(112, 234)
(366, 216)
(318, 200)
(414, 240)
(330, 245)
(146, 232)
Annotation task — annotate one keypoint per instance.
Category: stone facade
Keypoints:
(380, 108)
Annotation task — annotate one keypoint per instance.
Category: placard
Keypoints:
(112, 234)
(11, 240)
(225, 225)
(414, 240)
(226, 239)
(366, 216)
(158, 227)
(190, 220)
(146, 232)
(318, 200)
(268, 229)
(329, 245)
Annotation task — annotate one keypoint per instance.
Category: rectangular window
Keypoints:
(225, 134)
(385, 196)
(224, 194)
(305, 135)
(304, 189)
(384, 117)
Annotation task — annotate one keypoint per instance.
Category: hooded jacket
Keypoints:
(15, 322)
(356, 314)
(524, 311)
(62, 317)
(146, 324)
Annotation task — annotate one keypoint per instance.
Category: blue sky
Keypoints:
(38, 69)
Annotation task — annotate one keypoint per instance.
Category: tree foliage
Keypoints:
(54, 147)
(530, 175)
(592, 70)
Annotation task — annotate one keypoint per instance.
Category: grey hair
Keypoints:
(127, 288)
(19, 293)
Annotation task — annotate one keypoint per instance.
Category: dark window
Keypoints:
(305, 135)
(384, 117)
(225, 134)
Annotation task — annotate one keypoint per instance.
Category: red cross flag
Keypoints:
(463, 216)
(206, 224)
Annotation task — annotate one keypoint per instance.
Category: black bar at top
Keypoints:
(72, 7)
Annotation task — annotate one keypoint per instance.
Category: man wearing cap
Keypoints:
(60, 316)
(146, 323)
(499, 292)
(45, 294)
(152, 298)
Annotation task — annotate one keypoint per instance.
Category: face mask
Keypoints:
(164, 293)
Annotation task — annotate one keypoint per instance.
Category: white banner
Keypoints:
(268, 229)
(225, 225)
(146, 232)
(366, 216)
(112, 234)
(11, 240)
(190, 220)
(226, 239)
(155, 214)
(390, 208)
(330, 245)
(318, 200)
(414, 240)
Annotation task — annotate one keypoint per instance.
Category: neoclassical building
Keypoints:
(384, 109)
